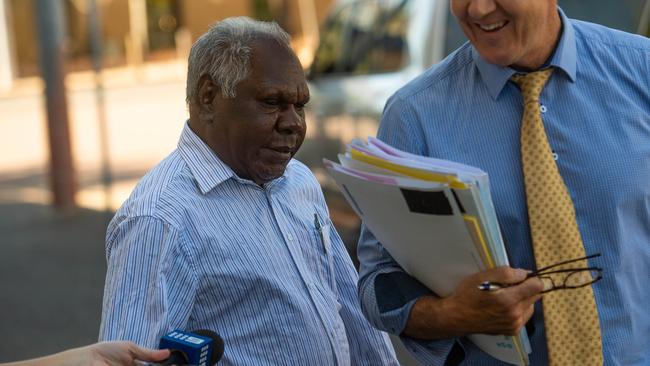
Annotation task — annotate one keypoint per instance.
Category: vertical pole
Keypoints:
(49, 19)
(96, 51)
(6, 67)
(138, 30)
(309, 21)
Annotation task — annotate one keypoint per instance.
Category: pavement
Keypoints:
(52, 272)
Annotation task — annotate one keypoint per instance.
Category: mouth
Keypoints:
(492, 27)
(281, 153)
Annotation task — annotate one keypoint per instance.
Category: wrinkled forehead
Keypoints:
(275, 67)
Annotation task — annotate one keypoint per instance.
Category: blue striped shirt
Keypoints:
(596, 110)
(196, 247)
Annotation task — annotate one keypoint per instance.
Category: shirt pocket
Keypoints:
(320, 260)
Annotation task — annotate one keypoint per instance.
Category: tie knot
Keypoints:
(531, 84)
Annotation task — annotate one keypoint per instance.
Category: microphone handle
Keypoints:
(176, 358)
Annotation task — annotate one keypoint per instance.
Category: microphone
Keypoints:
(201, 347)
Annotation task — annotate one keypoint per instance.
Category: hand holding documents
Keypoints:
(435, 217)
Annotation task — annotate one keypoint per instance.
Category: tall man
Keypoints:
(557, 112)
(231, 234)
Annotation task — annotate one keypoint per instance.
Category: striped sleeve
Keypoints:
(150, 282)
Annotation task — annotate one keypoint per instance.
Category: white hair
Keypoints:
(223, 52)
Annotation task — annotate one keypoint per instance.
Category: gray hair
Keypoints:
(223, 52)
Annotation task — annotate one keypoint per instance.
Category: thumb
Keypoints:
(506, 275)
(146, 354)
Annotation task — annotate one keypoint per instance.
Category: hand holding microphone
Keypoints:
(115, 353)
(201, 348)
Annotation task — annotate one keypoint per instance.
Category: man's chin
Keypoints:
(270, 173)
(498, 59)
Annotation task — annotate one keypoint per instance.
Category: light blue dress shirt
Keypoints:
(596, 110)
(196, 247)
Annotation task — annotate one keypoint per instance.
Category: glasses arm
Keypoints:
(543, 269)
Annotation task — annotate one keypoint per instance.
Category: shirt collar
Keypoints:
(206, 167)
(564, 58)
(208, 170)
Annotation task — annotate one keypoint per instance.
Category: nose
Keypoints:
(477, 9)
(291, 120)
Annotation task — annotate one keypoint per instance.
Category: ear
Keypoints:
(207, 91)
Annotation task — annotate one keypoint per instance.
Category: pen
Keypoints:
(489, 286)
(317, 223)
(319, 228)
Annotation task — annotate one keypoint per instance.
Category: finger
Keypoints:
(146, 354)
(534, 286)
(533, 299)
(528, 291)
(527, 313)
(504, 275)
(531, 288)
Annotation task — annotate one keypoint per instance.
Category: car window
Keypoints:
(365, 37)
(620, 14)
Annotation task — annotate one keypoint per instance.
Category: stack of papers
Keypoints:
(435, 218)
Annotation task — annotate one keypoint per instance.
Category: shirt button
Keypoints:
(555, 156)
(289, 237)
(543, 109)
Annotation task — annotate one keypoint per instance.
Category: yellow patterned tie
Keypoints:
(570, 316)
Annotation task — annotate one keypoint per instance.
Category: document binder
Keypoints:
(435, 218)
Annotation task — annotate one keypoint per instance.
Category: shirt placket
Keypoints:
(330, 319)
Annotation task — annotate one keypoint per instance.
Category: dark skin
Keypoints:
(257, 132)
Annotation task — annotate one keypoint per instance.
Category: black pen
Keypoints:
(319, 228)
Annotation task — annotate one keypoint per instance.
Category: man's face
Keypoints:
(521, 33)
(259, 131)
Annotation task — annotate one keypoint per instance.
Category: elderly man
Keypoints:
(557, 111)
(231, 234)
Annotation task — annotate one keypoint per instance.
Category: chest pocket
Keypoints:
(317, 251)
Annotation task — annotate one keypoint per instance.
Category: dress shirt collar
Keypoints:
(206, 167)
(208, 170)
(564, 58)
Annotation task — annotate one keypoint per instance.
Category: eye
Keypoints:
(300, 106)
(273, 102)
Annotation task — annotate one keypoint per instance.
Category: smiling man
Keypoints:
(229, 233)
(557, 112)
